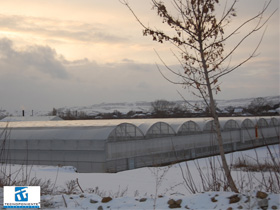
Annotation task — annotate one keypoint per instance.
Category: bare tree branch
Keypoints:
(200, 40)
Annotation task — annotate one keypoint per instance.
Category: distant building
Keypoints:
(238, 111)
(223, 112)
(31, 118)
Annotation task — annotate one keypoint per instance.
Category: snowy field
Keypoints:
(154, 188)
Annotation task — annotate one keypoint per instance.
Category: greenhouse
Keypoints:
(247, 123)
(188, 127)
(117, 145)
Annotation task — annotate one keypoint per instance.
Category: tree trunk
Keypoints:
(221, 147)
(217, 124)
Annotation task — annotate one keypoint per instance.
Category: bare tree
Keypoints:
(258, 106)
(200, 41)
(162, 107)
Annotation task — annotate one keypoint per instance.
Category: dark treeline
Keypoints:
(167, 109)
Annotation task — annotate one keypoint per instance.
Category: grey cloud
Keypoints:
(126, 60)
(73, 30)
(36, 59)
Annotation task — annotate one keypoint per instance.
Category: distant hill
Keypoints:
(140, 106)
(125, 107)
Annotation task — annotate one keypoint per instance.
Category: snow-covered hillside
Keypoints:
(146, 106)
(125, 107)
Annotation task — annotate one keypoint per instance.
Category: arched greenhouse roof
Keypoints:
(262, 122)
(159, 129)
(196, 124)
(231, 124)
(126, 131)
(274, 122)
(247, 123)
(209, 125)
(61, 133)
(188, 127)
(76, 129)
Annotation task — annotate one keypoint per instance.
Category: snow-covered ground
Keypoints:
(153, 188)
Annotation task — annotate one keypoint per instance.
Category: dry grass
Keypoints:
(245, 164)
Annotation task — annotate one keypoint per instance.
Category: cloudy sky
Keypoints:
(59, 53)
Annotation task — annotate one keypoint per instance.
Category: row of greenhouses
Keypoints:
(117, 145)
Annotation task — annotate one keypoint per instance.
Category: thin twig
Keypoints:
(79, 185)
(64, 201)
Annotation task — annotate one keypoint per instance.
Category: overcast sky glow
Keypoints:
(59, 53)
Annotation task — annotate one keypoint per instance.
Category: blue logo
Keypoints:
(21, 194)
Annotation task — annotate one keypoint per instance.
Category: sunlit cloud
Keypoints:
(55, 29)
